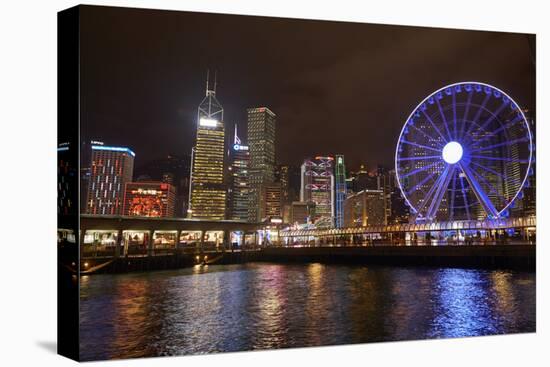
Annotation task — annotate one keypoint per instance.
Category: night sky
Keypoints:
(336, 87)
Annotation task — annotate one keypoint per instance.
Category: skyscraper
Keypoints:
(282, 176)
(366, 208)
(208, 192)
(272, 201)
(112, 168)
(261, 140)
(318, 187)
(340, 191)
(238, 175)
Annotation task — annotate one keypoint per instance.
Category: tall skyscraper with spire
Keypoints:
(207, 197)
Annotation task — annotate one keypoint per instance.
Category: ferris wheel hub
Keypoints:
(452, 152)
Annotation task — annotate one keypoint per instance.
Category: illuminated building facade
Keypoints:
(149, 199)
(272, 204)
(111, 169)
(261, 140)
(172, 169)
(340, 191)
(528, 196)
(207, 190)
(67, 182)
(318, 187)
(282, 176)
(239, 183)
(365, 208)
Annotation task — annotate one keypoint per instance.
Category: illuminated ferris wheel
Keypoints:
(465, 152)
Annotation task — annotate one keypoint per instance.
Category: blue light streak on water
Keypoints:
(264, 306)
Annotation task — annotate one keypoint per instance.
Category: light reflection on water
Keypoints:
(262, 306)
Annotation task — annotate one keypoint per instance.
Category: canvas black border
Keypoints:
(68, 120)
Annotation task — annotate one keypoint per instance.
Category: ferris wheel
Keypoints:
(465, 152)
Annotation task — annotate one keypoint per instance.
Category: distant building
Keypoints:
(365, 208)
(272, 204)
(239, 188)
(398, 209)
(208, 191)
(111, 169)
(287, 213)
(261, 141)
(525, 203)
(282, 176)
(67, 181)
(149, 199)
(318, 187)
(302, 212)
(363, 180)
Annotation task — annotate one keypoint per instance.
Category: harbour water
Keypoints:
(226, 308)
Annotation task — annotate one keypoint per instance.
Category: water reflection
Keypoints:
(263, 306)
(464, 304)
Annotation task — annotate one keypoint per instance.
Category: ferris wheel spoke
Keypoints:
(512, 160)
(444, 119)
(420, 146)
(429, 137)
(454, 115)
(492, 187)
(500, 129)
(401, 159)
(470, 137)
(490, 119)
(418, 185)
(503, 177)
(442, 185)
(421, 169)
(478, 191)
(453, 185)
(432, 190)
(464, 198)
(481, 149)
(435, 127)
(477, 115)
(465, 116)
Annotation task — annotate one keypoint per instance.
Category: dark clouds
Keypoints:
(335, 87)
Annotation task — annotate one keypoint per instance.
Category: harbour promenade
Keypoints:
(124, 244)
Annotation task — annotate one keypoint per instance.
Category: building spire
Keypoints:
(207, 76)
(215, 79)
(236, 140)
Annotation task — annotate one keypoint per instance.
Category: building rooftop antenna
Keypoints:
(215, 80)
(207, 76)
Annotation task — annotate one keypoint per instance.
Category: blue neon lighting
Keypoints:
(61, 149)
(459, 134)
(113, 149)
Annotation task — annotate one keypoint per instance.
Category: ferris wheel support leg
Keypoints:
(441, 190)
(478, 191)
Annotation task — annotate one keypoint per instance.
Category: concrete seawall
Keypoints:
(506, 256)
(487, 256)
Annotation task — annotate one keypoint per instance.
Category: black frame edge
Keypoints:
(68, 217)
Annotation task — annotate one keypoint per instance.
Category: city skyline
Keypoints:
(158, 98)
(279, 183)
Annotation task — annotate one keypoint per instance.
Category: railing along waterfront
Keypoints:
(459, 225)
